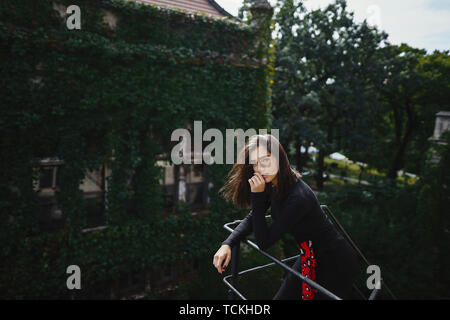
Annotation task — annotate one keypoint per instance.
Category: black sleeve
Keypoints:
(295, 207)
(246, 226)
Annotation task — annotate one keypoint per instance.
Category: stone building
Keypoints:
(442, 124)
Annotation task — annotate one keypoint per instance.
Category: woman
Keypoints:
(262, 180)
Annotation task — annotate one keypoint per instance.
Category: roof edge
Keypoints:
(222, 10)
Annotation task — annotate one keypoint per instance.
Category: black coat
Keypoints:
(299, 214)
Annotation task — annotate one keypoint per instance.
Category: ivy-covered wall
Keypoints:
(111, 93)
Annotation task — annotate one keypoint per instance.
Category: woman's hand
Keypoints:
(257, 183)
(224, 253)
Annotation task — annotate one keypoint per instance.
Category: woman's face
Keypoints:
(264, 163)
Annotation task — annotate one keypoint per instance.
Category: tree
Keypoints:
(326, 67)
(415, 89)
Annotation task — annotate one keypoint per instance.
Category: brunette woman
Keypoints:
(264, 179)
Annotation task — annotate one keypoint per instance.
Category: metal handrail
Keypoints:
(355, 247)
(234, 272)
(235, 262)
(225, 279)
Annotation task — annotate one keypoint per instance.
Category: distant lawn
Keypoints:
(409, 180)
(335, 182)
(352, 170)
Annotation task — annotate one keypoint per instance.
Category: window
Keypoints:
(46, 182)
(47, 175)
(168, 184)
(94, 191)
(191, 181)
(195, 185)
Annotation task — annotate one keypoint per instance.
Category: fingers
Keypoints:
(218, 259)
(222, 258)
(256, 180)
(227, 261)
(260, 177)
(257, 183)
(253, 183)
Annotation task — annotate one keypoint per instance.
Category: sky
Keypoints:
(423, 24)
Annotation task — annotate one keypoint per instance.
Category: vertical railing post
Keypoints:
(235, 250)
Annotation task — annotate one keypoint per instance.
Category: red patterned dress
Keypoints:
(308, 269)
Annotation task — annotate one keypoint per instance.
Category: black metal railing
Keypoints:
(235, 255)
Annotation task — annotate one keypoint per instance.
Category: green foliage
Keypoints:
(112, 95)
(264, 283)
(326, 68)
(414, 89)
(434, 203)
(35, 266)
(403, 229)
(207, 284)
(353, 91)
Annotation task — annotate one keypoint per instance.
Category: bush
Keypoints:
(112, 96)
(391, 227)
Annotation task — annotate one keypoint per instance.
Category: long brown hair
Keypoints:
(237, 189)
